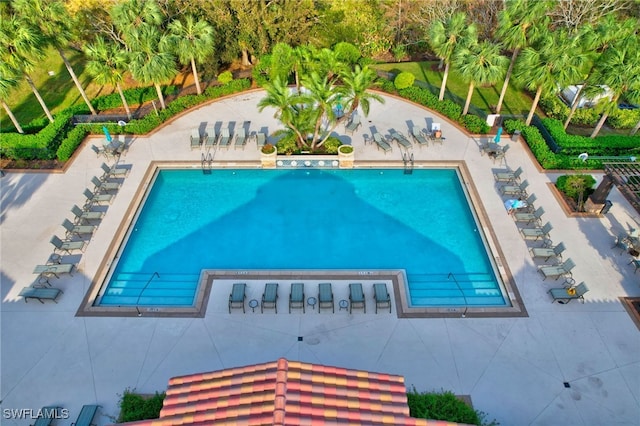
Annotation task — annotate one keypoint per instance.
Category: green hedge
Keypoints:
(444, 406)
(553, 107)
(135, 407)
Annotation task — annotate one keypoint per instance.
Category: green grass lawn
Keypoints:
(515, 102)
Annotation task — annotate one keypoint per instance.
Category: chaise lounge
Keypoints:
(510, 177)
(547, 252)
(195, 139)
(225, 138)
(536, 233)
(418, 136)
(381, 143)
(566, 295)
(237, 296)
(241, 138)
(270, 297)
(381, 296)
(557, 271)
(356, 297)
(40, 293)
(77, 230)
(325, 297)
(353, 125)
(529, 217)
(67, 246)
(85, 216)
(87, 413)
(400, 139)
(48, 414)
(515, 190)
(211, 137)
(296, 297)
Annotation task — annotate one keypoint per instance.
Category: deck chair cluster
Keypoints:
(324, 298)
(224, 138)
(532, 229)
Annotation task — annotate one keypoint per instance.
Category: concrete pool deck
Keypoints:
(514, 369)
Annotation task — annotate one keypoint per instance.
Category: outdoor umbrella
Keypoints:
(498, 134)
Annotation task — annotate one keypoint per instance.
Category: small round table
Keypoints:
(312, 302)
(253, 304)
(343, 305)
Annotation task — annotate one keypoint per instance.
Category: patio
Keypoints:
(563, 364)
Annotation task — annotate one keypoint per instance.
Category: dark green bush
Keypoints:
(287, 144)
(576, 187)
(443, 406)
(260, 71)
(134, 407)
(331, 145)
(71, 142)
(425, 97)
(474, 124)
(403, 80)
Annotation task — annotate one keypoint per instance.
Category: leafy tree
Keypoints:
(446, 37)
(191, 41)
(107, 63)
(519, 23)
(131, 16)
(53, 21)
(479, 64)
(8, 82)
(552, 62)
(286, 104)
(355, 92)
(20, 46)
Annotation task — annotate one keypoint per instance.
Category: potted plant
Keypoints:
(268, 155)
(345, 156)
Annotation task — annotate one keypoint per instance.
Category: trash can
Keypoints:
(515, 136)
(606, 207)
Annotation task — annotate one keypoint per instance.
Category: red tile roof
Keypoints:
(287, 393)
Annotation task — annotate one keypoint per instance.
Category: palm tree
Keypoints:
(20, 46)
(479, 64)
(191, 41)
(618, 68)
(519, 23)
(550, 63)
(287, 105)
(8, 82)
(107, 62)
(130, 15)
(283, 61)
(322, 99)
(53, 21)
(150, 59)
(355, 86)
(445, 37)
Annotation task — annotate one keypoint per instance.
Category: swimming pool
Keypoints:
(306, 219)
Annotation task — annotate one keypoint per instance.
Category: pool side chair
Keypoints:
(241, 138)
(45, 271)
(270, 297)
(381, 296)
(515, 190)
(40, 294)
(402, 141)
(353, 125)
(211, 137)
(624, 243)
(261, 139)
(104, 186)
(509, 177)
(325, 297)
(419, 137)
(356, 297)
(225, 138)
(87, 413)
(85, 216)
(78, 230)
(237, 296)
(566, 295)
(547, 252)
(195, 139)
(535, 234)
(48, 415)
(529, 217)
(101, 151)
(114, 171)
(381, 143)
(500, 154)
(96, 198)
(67, 246)
(529, 206)
(296, 296)
(562, 270)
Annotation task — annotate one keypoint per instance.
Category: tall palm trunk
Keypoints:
(195, 75)
(76, 81)
(468, 101)
(124, 100)
(160, 96)
(574, 107)
(503, 92)
(605, 114)
(534, 106)
(38, 97)
(444, 81)
(12, 117)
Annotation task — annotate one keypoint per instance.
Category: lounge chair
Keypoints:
(48, 415)
(101, 151)
(41, 294)
(237, 296)
(547, 252)
(96, 198)
(636, 264)
(529, 217)
(499, 155)
(101, 186)
(270, 297)
(85, 216)
(67, 246)
(381, 296)
(77, 230)
(325, 297)
(419, 137)
(382, 144)
(195, 139)
(356, 297)
(511, 177)
(241, 138)
(515, 190)
(624, 243)
(113, 171)
(225, 138)
(557, 271)
(54, 269)
(353, 125)
(85, 418)
(566, 295)
(261, 139)
(296, 296)
(536, 233)
(400, 139)
(529, 205)
(210, 136)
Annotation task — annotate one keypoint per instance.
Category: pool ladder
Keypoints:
(206, 162)
(408, 163)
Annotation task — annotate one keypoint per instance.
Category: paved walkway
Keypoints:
(513, 368)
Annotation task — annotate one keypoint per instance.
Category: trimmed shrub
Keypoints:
(331, 145)
(571, 185)
(443, 406)
(287, 145)
(135, 407)
(347, 52)
(474, 124)
(225, 77)
(403, 80)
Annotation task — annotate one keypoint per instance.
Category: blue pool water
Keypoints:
(305, 219)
